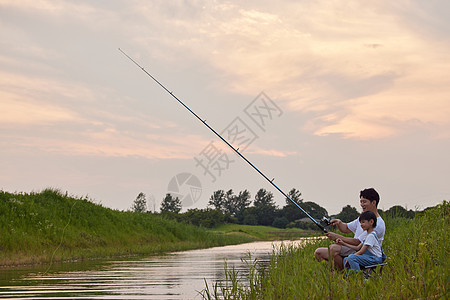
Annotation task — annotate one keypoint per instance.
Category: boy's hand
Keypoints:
(339, 242)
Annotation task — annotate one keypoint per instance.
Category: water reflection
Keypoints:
(174, 276)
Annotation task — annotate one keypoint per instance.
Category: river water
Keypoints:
(179, 275)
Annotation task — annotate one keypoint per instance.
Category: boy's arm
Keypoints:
(362, 250)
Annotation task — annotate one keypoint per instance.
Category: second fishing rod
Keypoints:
(226, 142)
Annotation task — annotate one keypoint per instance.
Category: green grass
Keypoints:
(50, 226)
(418, 268)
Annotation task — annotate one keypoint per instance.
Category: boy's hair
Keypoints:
(367, 216)
(370, 194)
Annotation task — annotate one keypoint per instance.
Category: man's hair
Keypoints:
(367, 216)
(370, 194)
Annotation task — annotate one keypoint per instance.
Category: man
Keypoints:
(369, 199)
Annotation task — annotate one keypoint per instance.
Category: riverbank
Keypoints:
(418, 267)
(50, 226)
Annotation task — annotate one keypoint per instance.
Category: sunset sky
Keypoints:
(359, 91)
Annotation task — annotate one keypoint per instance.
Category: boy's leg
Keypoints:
(355, 261)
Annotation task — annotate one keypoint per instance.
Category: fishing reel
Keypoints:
(326, 221)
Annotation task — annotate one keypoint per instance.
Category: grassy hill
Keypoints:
(52, 226)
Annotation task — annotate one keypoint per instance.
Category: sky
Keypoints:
(328, 97)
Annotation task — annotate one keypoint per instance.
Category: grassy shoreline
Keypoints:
(49, 227)
(418, 268)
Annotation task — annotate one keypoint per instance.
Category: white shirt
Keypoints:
(361, 234)
(374, 246)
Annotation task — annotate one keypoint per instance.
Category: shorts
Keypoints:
(346, 251)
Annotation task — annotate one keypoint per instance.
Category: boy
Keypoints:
(369, 252)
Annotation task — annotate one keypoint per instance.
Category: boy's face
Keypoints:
(365, 225)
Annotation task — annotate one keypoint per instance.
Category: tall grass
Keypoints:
(418, 268)
(50, 226)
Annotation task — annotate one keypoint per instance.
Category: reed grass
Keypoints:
(418, 268)
(51, 226)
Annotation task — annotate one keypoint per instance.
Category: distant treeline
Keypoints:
(228, 207)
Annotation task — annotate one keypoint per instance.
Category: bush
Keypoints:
(303, 225)
(280, 222)
(208, 218)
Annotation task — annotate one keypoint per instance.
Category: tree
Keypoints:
(242, 201)
(171, 204)
(399, 211)
(236, 204)
(217, 200)
(249, 216)
(140, 203)
(263, 198)
(347, 214)
(314, 210)
(264, 207)
(295, 195)
(229, 206)
(280, 222)
(231, 203)
(291, 211)
(203, 217)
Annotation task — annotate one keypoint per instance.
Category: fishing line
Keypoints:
(226, 142)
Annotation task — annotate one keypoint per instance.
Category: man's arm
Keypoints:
(340, 225)
(341, 242)
(334, 236)
(343, 227)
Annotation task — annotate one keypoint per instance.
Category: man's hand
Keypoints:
(332, 236)
(335, 222)
(340, 225)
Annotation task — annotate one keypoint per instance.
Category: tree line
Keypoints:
(228, 207)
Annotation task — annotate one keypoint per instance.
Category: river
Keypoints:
(179, 275)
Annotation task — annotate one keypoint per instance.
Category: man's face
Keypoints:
(367, 205)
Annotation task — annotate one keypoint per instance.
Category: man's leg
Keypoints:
(321, 254)
(335, 252)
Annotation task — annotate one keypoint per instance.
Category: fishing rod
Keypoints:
(226, 142)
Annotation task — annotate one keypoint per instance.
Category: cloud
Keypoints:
(272, 152)
(110, 142)
(358, 71)
(19, 112)
(55, 116)
(361, 63)
(24, 100)
(54, 7)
